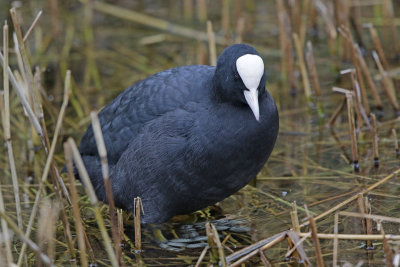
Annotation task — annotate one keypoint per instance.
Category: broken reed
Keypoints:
(137, 202)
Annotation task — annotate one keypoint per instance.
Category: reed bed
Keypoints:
(329, 194)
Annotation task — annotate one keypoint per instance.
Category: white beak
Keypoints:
(252, 100)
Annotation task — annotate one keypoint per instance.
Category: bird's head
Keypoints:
(240, 76)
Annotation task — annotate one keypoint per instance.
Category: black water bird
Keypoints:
(187, 137)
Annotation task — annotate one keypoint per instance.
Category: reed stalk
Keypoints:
(211, 44)
(375, 147)
(5, 232)
(75, 207)
(366, 223)
(49, 159)
(93, 201)
(368, 77)
(202, 10)
(335, 240)
(32, 26)
(352, 132)
(101, 148)
(45, 259)
(312, 68)
(386, 82)
(302, 66)
(396, 143)
(201, 257)
(317, 245)
(138, 227)
(7, 129)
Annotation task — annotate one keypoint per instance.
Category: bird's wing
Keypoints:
(126, 115)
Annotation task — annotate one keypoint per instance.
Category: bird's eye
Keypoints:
(237, 77)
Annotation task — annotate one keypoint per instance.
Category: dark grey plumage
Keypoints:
(183, 139)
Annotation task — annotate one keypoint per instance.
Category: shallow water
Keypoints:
(310, 163)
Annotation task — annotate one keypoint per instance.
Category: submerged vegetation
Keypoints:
(329, 194)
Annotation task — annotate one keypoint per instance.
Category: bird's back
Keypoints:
(123, 118)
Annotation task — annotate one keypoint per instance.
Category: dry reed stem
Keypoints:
(352, 132)
(335, 240)
(378, 46)
(365, 224)
(297, 241)
(396, 142)
(312, 68)
(302, 66)
(387, 250)
(390, 17)
(221, 253)
(49, 160)
(335, 114)
(352, 198)
(317, 246)
(225, 19)
(377, 218)
(150, 21)
(120, 220)
(188, 9)
(386, 82)
(294, 217)
(21, 95)
(75, 207)
(93, 201)
(359, 77)
(138, 230)
(7, 129)
(331, 29)
(45, 259)
(276, 239)
(32, 26)
(46, 229)
(214, 255)
(343, 91)
(240, 26)
(264, 259)
(35, 96)
(202, 10)
(5, 232)
(211, 44)
(26, 69)
(101, 148)
(305, 13)
(353, 236)
(201, 257)
(362, 116)
(282, 37)
(215, 244)
(368, 77)
(374, 140)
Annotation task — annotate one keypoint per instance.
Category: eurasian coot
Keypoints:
(186, 137)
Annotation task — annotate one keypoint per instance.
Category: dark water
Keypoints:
(310, 163)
